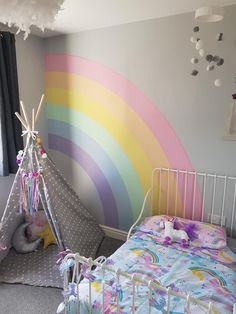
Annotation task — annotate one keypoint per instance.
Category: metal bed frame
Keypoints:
(200, 196)
(213, 195)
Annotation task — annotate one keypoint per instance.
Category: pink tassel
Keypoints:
(29, 192)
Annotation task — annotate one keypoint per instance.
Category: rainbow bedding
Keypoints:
(208, 274)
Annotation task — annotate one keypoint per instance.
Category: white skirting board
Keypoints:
(122, 235)
(114, 233)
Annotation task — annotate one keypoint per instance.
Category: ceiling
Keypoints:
(80, 15)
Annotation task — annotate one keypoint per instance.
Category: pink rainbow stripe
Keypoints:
(137, 100)
(144, 108)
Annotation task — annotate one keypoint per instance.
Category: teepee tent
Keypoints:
(38, 181)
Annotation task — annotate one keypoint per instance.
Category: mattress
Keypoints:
(208, 275)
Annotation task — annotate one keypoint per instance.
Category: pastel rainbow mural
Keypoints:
(111, 129)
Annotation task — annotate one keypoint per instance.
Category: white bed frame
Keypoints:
(214, 195)
(217, 195)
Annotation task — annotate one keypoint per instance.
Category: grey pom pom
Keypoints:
(210, 67)
(209, 58)
(194, 60)
(219, 37)
(216, 59)
(194, 73)
(196, 29)
(220, 62)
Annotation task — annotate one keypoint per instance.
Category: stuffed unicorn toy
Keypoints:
(173, 235)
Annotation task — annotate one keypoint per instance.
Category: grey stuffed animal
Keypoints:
(20, 242)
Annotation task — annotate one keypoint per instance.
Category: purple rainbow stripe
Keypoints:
(121, 86)
(92, 148)
(94, 172)
(140, 104)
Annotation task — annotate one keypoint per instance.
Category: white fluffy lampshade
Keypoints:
(23, 14)
(209, 14)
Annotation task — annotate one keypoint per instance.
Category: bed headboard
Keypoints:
(192, 195)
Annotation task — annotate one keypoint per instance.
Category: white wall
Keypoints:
(30, 65)
(155, 56)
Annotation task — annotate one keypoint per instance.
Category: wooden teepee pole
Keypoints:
(33, 119)
(25, 114)
(26, 123)
(21, 120)
(39, 108)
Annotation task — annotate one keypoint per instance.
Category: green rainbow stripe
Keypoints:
(128, 143)
(88, 145)
(70, 86)
(119, 132)
(105, 141)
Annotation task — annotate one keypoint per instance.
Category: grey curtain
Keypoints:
(10, 128)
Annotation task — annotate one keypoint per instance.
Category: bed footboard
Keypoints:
(77, 267)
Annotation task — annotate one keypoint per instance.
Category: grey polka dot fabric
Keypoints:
(72, 224)
(36, 269)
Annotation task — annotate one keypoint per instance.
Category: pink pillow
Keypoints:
(38, 222)
(206, 235)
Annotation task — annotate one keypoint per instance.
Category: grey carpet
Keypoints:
(108, 246)
(24, 299)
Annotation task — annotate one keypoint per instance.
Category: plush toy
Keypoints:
(37, 223)
(47, 236)
(173, 235)
(20, 242)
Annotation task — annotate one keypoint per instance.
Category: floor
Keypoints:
(23, 299)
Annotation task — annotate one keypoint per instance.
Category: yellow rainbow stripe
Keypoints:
(113, 131)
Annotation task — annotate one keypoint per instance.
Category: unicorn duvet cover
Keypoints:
(207, 274)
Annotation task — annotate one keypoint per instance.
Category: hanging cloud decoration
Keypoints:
(23, 14)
